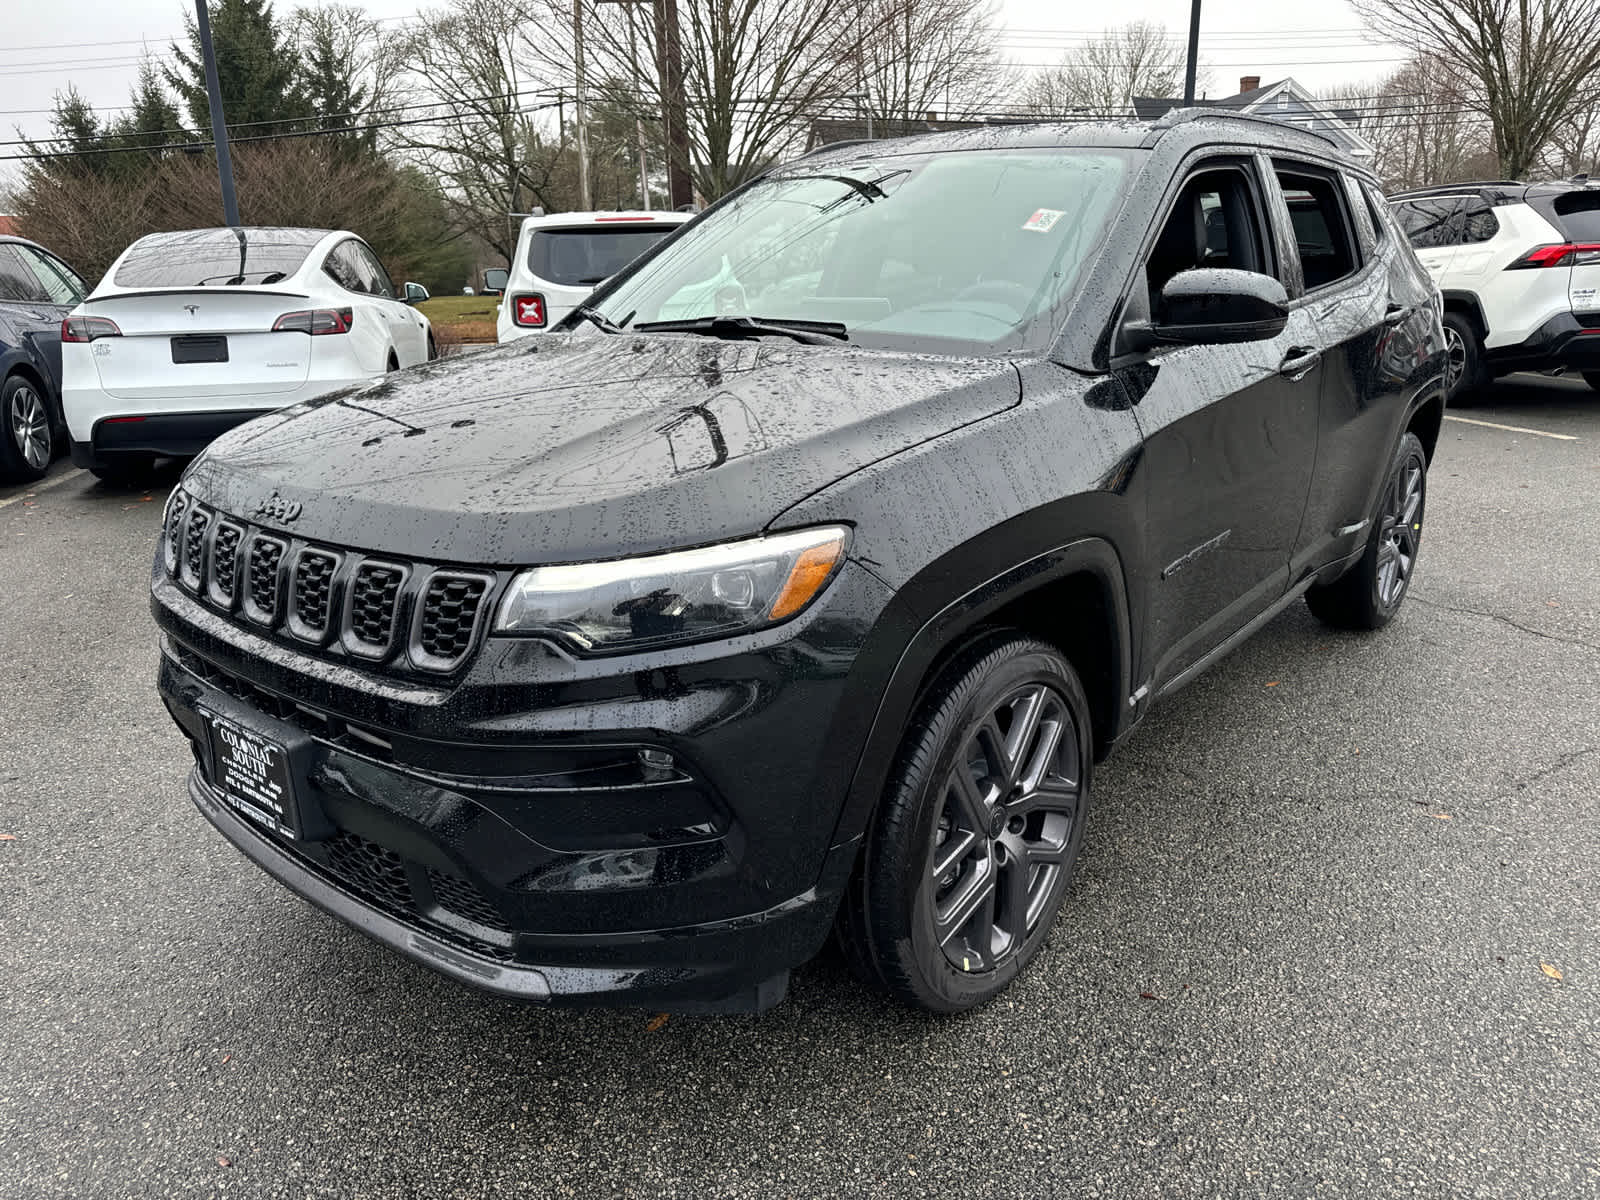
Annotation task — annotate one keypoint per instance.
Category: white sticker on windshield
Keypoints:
(1043, 219)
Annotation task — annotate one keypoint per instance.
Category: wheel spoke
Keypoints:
(947, 857)
(973, 804)
(972, 901)
(1014, 878)
(1043, 755)
(1026, 713)
(1054, 794)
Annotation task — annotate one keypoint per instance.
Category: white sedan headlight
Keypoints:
(683, 596)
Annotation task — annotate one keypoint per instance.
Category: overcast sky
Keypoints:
(95, 44)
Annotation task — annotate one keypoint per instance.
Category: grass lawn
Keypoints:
(461, 318)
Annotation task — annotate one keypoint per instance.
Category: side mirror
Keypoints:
(494, 280)
(1216, 305)
(415, 293)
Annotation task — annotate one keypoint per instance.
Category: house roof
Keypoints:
(1149, 108)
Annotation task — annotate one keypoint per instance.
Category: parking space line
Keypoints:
(1560, 437)
(43, 487)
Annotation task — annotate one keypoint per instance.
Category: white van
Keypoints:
(561, 258)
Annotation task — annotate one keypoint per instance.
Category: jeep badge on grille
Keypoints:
(279, 509)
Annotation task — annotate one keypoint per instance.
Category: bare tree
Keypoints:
(491, 144)
(1102, 76)
(1527, 66)
(1420, 125)
(914, 57)
(753, 71)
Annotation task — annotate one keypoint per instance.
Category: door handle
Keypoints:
(1298, 362)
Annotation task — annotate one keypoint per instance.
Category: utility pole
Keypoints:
(219, 129)
(1194, 55)
(669, 61)
(585, 202)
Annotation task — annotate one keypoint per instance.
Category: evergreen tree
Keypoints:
(258, 69)
(152, 118)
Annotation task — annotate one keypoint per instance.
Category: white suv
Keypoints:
(1519, 268)
(560, 259)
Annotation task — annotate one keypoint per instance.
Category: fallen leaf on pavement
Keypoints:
(224, 1161)
(1274, 683)
(1148, 996)
(1440, 816)
(227, 1058)
(8, 837)
(656, 1022)
(1550, 971)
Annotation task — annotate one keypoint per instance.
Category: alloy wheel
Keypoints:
(30, 427)
(1455, 365)
(1401, 531)
(1005, 825)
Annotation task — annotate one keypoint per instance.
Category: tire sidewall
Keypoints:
(1410, 448)
(1472, 366)
(901, 871)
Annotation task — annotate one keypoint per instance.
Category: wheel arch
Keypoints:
(21, 367)
(1425, 421)
(1073, 597)
(1468, 305)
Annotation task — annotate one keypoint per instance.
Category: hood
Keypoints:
(562, 448)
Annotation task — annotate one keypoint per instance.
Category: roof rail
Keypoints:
(1185, 116)
(841, 144)
(1466, 185)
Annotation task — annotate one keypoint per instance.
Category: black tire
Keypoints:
(1592, 378)
(1465, 376)
(27, 442)
(1369, 594)
(126, 472)
(433, 348)
(1032, 799)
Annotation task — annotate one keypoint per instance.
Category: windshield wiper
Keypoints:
(599, 318)
(812, 333)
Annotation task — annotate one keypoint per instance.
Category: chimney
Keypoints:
(1249, 83)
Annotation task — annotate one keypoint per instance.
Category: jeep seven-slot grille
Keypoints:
(450, 614)
(225, 560)
(374, 603)
(266, 556)
(313, 590)
(328, 600)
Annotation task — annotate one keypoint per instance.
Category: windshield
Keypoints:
(587, 256)
(965, 252)
(213, 257)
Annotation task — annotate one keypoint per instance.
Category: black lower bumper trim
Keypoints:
(684, 989)
(1563, 341)
(159, 435)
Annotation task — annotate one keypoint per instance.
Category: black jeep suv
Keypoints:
(798, 583)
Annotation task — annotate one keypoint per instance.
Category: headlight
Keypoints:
(684, 596)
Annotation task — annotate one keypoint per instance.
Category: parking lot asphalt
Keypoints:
(1333, 932)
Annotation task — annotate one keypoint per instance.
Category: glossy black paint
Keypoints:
(30, 339)
(1142, 507)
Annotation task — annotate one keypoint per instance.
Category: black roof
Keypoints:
(1499, 191)
(1191, 126)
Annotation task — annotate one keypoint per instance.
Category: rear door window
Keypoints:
(17, 280)
(1430, 224)
(589, 255)
(1321, 225)
(59, 281)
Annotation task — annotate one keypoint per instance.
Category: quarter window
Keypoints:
(378, 282)
(1321, 229)
(345, 269)
(1480, 224)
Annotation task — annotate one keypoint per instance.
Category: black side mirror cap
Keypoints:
(1217, 306)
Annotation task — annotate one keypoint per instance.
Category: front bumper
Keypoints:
(533, 851)
(1566, 340)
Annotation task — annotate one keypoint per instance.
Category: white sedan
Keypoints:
(194, 332)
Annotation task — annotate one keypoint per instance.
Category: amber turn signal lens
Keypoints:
(810, 571)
